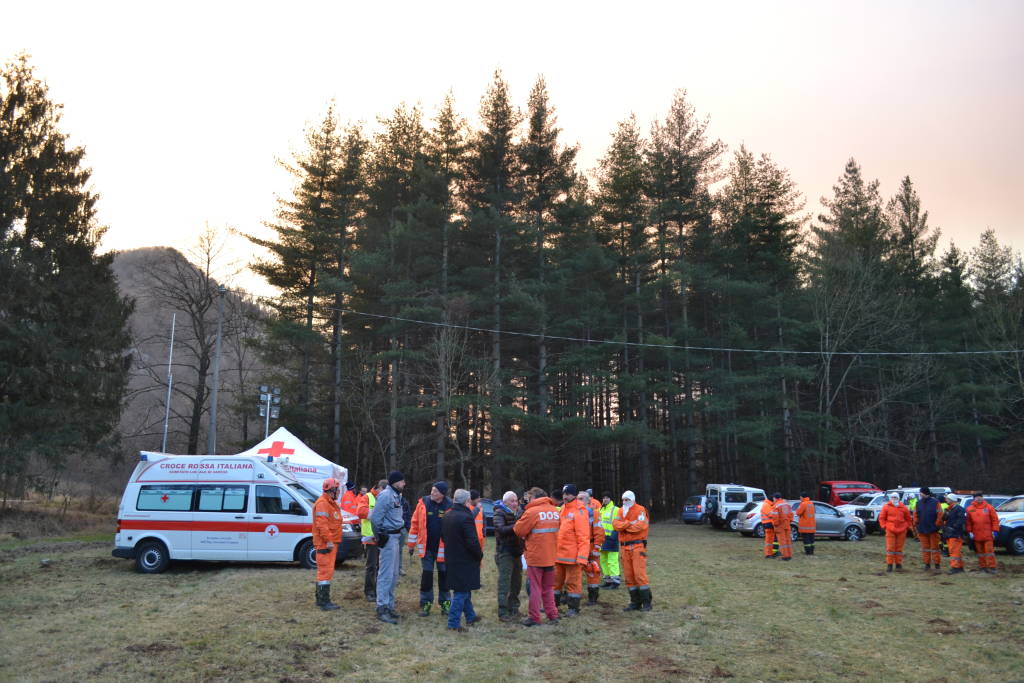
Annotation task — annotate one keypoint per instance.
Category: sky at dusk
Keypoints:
(184, 107)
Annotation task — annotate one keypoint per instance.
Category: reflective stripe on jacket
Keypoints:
(419, 530)
(805, 516)
(574, 534)
(632, 525)
(894, 518)
(982, 521)
(538, 527)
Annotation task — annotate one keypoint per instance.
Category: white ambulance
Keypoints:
(202, 507)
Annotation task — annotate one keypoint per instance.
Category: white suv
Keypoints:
(724, 502)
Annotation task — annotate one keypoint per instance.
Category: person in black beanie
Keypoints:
(387, 523)
(425, 536)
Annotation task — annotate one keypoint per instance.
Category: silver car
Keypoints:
(829, 522)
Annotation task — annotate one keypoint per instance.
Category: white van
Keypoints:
(726, 500)
(234, 508)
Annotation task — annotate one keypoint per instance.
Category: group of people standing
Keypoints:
(777, 519)
(559, 544)
(932, 519)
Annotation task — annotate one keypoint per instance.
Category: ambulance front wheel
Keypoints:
(306, 554)
(151, 557)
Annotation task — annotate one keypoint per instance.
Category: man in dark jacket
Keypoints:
(463, 556)
(929, 517)
(509, 555)
(953, 531)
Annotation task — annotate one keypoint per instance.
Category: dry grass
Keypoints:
(720, 612)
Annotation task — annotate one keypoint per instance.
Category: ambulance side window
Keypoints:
(272, 500)
(223, 498)
(165, 498)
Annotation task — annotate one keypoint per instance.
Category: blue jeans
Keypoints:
(461, 603)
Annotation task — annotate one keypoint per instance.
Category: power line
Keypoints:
(677, 347)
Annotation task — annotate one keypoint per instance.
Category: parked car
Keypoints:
(1011, 525)
(995, 499)
(488, 516)
(724, 502)
(839, 492)
(695, 510)
(908, 492)
(866, 506)
(830, 522)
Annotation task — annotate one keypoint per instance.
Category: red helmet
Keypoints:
(331, 483)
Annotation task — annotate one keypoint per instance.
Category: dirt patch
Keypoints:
(663, 665)
(719, 672)
(152, 648)
(871, 604)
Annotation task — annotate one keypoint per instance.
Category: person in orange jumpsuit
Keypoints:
(593, 568)
(771, 544)
(894, 519)
(806, 523)
(632, 523)
(573, 550)
(782, 519)
(983, 524)
(326, 539)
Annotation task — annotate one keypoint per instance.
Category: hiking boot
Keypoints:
(956, 570)
(458, 629)
(529, 622)
(392, 612)
(384, 614)
(475, 620)
(507, 618)
(899, 567)
(371, 597)
(645, 599)
(425, 609)
(554, 622)
(634, 601)
(786, 559)
(592, 594)
(445, 606)
(574, 606)
(888, 568)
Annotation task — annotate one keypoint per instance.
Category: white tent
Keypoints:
(288, 452)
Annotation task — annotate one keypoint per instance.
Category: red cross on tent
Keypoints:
(276, 450)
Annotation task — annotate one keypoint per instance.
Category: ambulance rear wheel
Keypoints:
(306, 554)
(151, 557)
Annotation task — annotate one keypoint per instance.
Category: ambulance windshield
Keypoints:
(306, 495)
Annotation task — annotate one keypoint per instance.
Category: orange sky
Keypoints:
(183, 110)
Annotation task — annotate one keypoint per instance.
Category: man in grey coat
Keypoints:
(388, 523)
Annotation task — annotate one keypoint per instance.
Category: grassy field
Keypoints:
(720, 611)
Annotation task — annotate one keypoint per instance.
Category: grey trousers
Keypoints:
(387, 572)
(510, 580)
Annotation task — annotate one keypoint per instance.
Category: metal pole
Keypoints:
(266, 424)
(211, 433)
(170, 382)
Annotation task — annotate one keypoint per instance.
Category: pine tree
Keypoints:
(63, 335)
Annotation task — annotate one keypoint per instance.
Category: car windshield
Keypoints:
(748, 507)
(863, 499)
(1012, 505)
(309, 497)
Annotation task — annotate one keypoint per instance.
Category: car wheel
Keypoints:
(1015, 546)
(306, 554)
(152, 557)
(794, 533)
(733, 522)
(759, 530)
(853, 533)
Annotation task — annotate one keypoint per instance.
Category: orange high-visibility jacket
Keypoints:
(418, 532)
(596, 534)
(805, 516)
(573, 534)
(478, 519)
(894, 518)
(632, 525)
(982, 521)
(538, 527)
(767, 508)
(782, 516)
(326, 522)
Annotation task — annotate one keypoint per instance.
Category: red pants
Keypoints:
(568, 580)
(542, 589)
(955, 559)
(325, 564)
(986, 553)
(771, 546)
(634, 565)
(930, 548)
(785, 538)
(894, 547)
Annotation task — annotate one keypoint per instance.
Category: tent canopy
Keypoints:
(288, 450)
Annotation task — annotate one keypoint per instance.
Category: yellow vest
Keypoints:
(366, 527)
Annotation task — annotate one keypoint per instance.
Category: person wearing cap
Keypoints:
(425, 535)
(573, 550)
(632, 523)
(610, 548)
(928, 516)
(326, 539)
(350, 503)
(386, 521)
(894, 519)
(953, 523)
(782, 520)
(983, 524)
